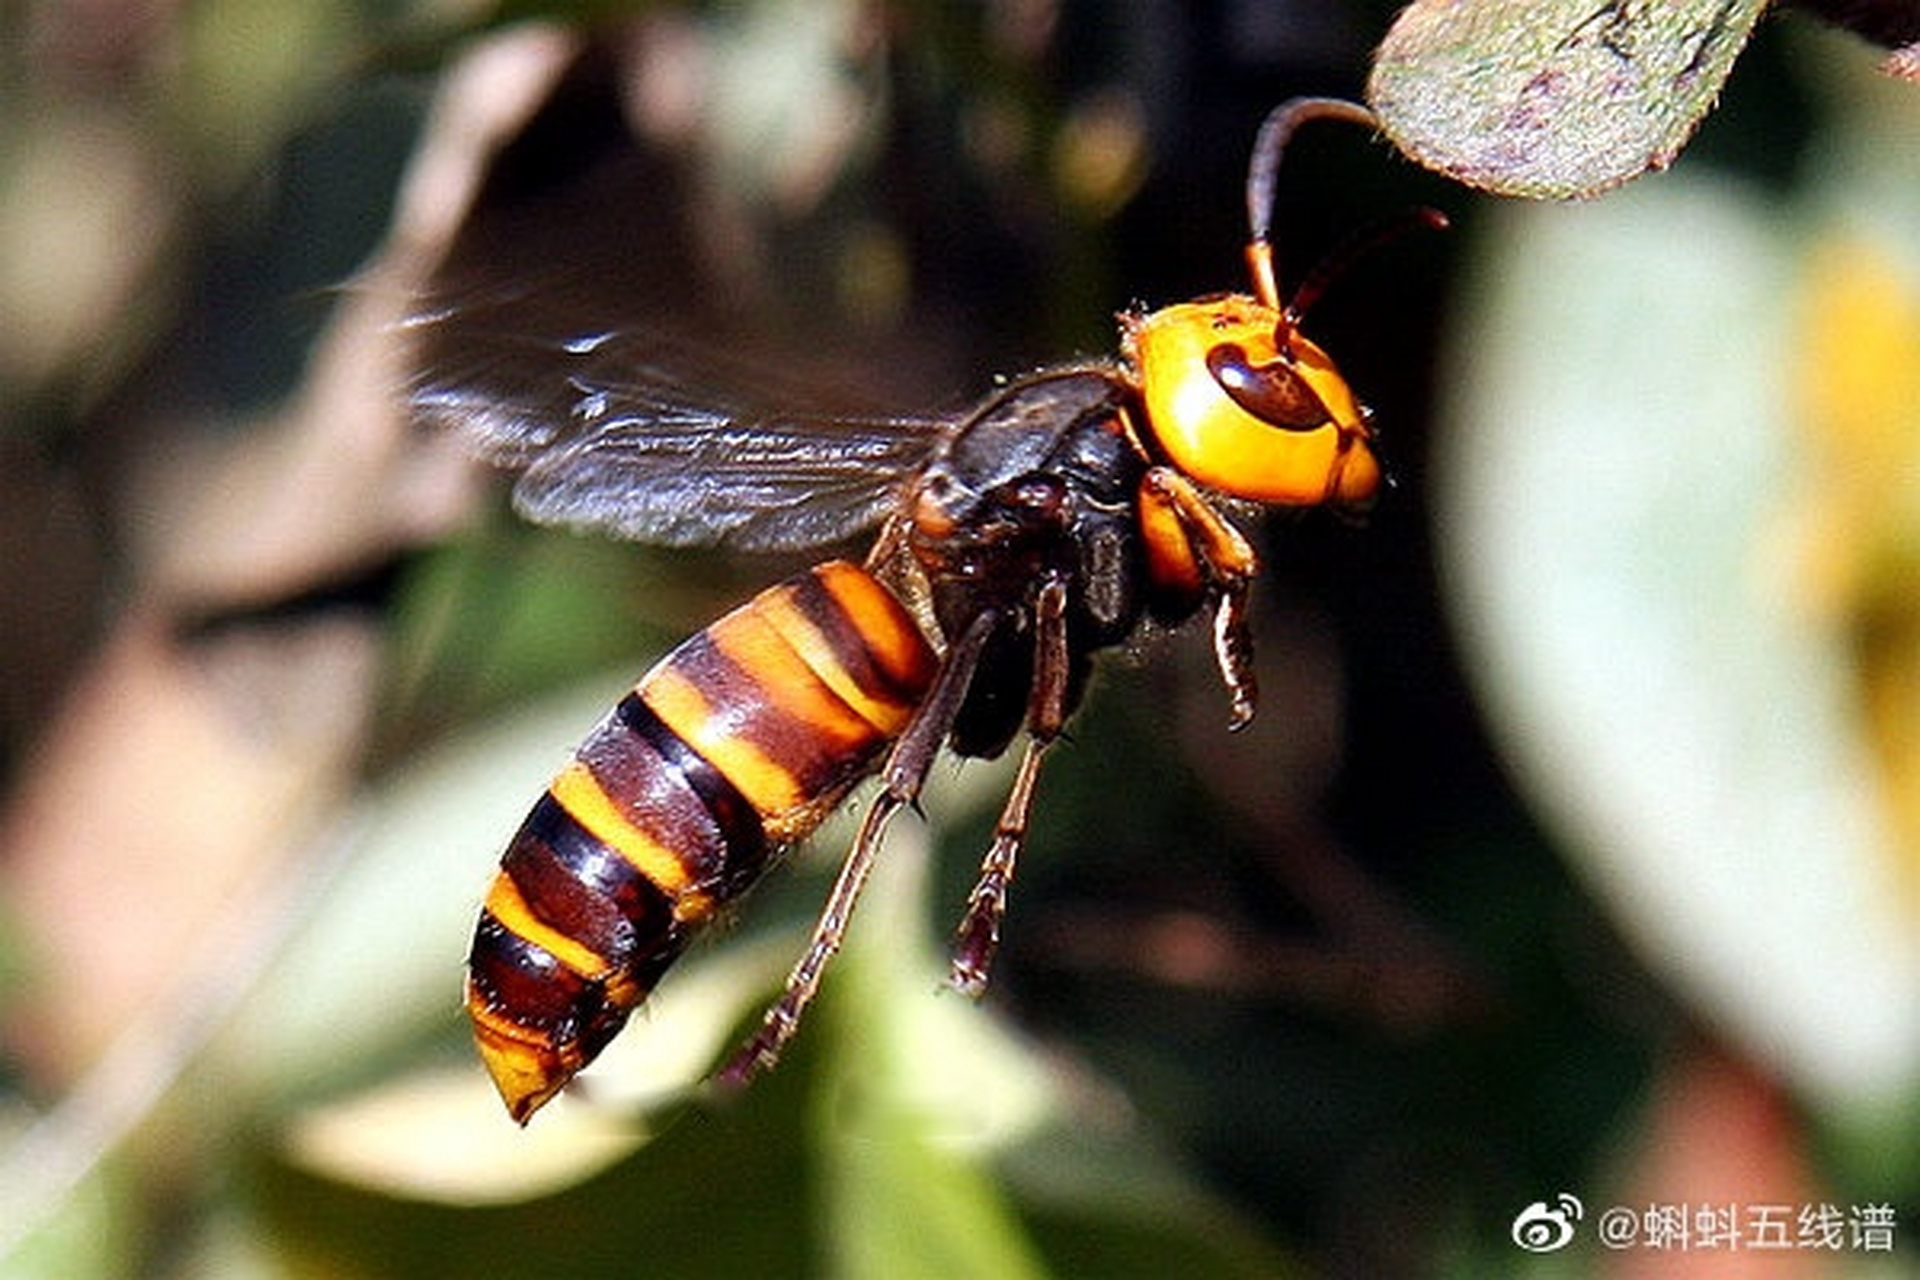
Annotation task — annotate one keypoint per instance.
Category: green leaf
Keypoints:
(1559, 98)
(907, 1131)
(920, 1084)
(1651, 507)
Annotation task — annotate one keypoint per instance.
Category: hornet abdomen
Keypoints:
(738, 743)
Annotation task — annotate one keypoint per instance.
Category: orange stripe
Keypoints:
(878, 621)
(527, 1067)
(768, 787)
(580, 794)
(893, 638)
(812, 648)
(791, 685)
(512, 911)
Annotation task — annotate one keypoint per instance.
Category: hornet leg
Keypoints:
(979, 934)
(905, 771)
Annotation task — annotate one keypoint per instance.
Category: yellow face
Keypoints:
(1243, 416)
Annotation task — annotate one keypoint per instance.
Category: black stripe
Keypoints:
(846, 637)
(522, 981)
(595, 866)
(815, 760)
(739, 822)
(582, 888)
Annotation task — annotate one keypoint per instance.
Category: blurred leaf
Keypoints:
(1557, 99)
(84, 1238)
(1858, 412)
(881, 1146)
(1892, 23)
(899, 1205)
(1634, 461)
(923, 1086)
(428, 1135)
(397, 920)
(439, 1134)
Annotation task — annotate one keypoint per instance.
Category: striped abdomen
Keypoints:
(740, 741)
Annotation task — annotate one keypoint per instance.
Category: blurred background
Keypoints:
(1575, 851)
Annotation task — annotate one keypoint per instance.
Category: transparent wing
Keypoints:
(634, 435)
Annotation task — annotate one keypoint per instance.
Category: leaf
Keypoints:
(907, 1131)
(1624, 493)
(1557, 99)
